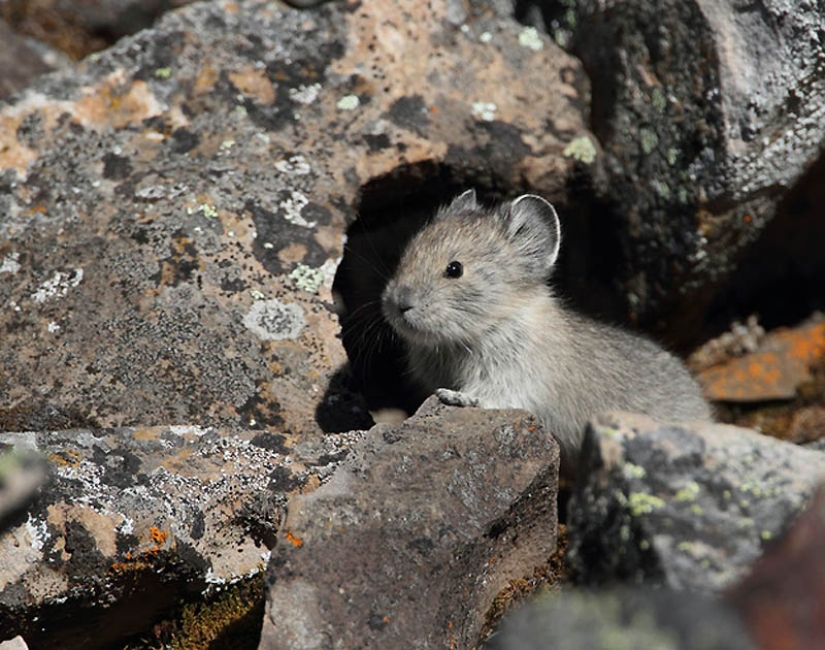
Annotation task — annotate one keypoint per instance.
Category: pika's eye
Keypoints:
(454, 270)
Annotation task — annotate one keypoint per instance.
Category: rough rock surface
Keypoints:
(624, 618)
(416, 532)
(172, 210)
(689, 506)
(131, 520)
(708, 111)
(783, 599)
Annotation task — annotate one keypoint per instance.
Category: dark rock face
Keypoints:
(708, 114)
(419, 528)
(688, 506)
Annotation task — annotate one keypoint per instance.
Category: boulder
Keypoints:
(690, 506)
(416, 532)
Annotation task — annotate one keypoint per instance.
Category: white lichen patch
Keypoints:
(38, 532)
(292, 208)
(307, 278)
(58, 285)
(581, 149)
(10, 263)
(273, 320)
(206, 209)
(297, 165)
(485, 111)
(53, 327)
(305, 94)
(529, 38)
(348, 103)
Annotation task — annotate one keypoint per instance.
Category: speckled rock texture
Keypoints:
(172, 210)
(707, 111)
(419, 528)
(687, 506)
(20, 63)
(624, 618)
(132, 520)
(782, 599)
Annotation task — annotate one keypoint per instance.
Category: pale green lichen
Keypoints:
(581, 149)
(697, 510)
(529, 38)
(672, 156)
(648, 140)
(689, 492)
(766, 535)
(348, 103)
(644, 504)
(307, 278)
(686, 547)
(205, 209)
(658, 99)
(634, 471)
(163, 73)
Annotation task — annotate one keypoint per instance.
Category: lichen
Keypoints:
(273, 320)
(529, 38)
(348, 103)
(643, 504)
(307, 278)
(581, 149)
(485, 111)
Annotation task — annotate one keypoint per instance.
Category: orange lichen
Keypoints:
(292, 539)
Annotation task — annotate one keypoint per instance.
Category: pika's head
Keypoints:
(472, 269)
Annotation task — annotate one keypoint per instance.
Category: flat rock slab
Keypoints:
(419, 528)
(776, 370)
(131, 520)
(690, 506)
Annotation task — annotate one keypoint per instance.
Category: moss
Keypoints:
(229, 619)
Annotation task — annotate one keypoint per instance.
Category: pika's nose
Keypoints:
(403, 298)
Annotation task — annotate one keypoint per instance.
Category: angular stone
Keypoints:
(132, 520)
(419, 528)
(689, 506)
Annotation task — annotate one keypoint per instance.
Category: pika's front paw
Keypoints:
(455, 397)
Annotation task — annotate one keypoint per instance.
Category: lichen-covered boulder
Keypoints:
(690, 506)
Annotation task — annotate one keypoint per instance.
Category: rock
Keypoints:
(707, 115)
(774, 371)
(623, 618)
(417, 531)
(176, 206)
(690, 506)
(132, 520)
(17, 643)
(19, 62)
(781, 600)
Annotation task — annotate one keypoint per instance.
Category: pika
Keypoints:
(470, 299)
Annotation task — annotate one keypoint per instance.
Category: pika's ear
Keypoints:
(533, 225)
(464, 202)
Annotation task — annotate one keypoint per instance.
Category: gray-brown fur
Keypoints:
(496, 336)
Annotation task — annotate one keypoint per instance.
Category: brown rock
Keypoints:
(415, 534)
(775, 370)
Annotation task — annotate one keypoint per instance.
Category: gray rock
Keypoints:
(419, 528)
(688, 506)
(623, 618)
(132, 520)
(20, 63)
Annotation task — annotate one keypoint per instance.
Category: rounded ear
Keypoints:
(533, 226)
(464, 202)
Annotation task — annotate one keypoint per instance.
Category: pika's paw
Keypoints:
(455, 397)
